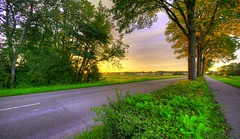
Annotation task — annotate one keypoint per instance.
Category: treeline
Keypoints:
(232, 69)
(55, 42)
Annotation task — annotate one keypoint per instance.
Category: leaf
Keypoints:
(194, 118)
(201, 127)
(182, 130)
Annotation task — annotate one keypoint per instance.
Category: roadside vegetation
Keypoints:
(98, 132)
(183, 110)
(232, 80)
(106, 80)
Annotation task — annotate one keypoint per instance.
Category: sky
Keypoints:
(149, 50)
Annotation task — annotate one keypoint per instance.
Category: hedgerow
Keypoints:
(183, 110)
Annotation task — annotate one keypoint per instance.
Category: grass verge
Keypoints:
(97, 132)
(108, 80)
(183, 110)
(232, 80)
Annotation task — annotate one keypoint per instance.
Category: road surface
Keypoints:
(229, 96)
(61, 113)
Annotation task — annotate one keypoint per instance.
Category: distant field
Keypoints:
(232, 80)
(106, 80)
(135, 78)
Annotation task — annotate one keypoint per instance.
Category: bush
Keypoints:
(183, 110)
(46, 67)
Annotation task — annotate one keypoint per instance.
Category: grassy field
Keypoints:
(135, 78)
(232, 80)
(183, 110)
(106, 80)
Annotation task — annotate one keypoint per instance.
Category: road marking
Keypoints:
(22, 106)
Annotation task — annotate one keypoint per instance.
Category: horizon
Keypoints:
(145, 71)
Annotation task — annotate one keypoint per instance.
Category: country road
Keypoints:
(61, 113)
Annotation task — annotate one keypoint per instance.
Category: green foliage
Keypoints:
(134, 14)
(32, 71)
(182, 110)
(63, 43)
(4, 70)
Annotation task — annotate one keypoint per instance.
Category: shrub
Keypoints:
(182, 110)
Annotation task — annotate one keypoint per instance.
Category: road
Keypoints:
(61, 113)
(229, 96)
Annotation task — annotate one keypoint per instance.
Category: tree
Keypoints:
(139, 14)
(217, 41)
(15, 23)
(216, 47)
(231, 69)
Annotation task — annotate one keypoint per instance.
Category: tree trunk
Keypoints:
(191, 56)
(15, 56)
(203, 66)
(199, 62)
(191, 41)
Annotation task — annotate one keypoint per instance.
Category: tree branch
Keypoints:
(210, 24)
(183, 15)
(2, 20)
(172, 16)
(170, 5)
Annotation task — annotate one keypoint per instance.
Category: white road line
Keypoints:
(22, 106)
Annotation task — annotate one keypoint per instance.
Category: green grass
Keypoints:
(183, 110)
(135, 78)
(232, 80)
(107, 80)
(97, 132)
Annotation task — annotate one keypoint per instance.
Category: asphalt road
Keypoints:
(229, 96)
(61, 113)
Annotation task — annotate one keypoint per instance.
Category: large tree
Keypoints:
(219, 43)
(17, 16)
(138, 14)
(216, 47)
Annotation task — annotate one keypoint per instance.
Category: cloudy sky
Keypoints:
(149, 51)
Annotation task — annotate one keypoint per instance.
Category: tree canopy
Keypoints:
(55, 41)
